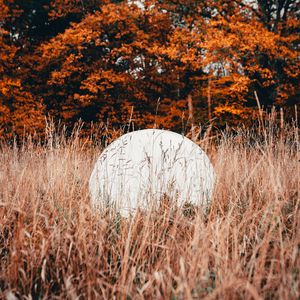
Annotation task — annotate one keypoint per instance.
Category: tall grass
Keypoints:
(52, 245)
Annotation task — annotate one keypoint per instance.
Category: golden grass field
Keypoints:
(53, 246)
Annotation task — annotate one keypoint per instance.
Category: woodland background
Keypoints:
(108, 62)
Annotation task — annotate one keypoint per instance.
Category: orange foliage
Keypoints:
(116, 60)
(19, 111)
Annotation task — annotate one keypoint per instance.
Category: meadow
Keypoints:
(247, 246)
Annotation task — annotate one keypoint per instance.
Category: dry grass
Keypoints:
(247, 247)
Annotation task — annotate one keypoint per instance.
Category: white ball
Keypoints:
(141, 167)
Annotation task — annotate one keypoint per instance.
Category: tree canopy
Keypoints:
(109, 60)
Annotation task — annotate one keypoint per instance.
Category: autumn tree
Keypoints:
(248, 50)
(281, 18)
(106, 65)
(19, 111)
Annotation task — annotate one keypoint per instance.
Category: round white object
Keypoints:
(141, 167)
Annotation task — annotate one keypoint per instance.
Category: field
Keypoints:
(247, 246)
